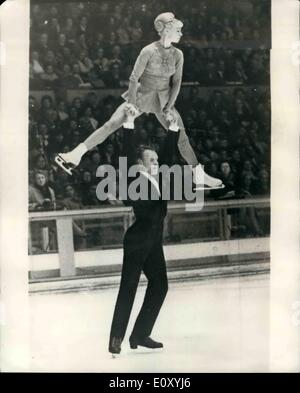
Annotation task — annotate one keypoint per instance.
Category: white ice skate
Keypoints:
(69, 161)
(205, 182)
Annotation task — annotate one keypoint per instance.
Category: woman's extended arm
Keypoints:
(176, 82)
(137, 72)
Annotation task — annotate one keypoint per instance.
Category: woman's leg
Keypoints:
(113, 124)
(187, 152)
(184, 145)
(98, 136)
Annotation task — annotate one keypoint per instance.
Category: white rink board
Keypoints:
(172, 253)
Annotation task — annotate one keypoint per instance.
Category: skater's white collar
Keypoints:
(152, 179)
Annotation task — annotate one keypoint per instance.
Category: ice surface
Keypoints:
(216, 325)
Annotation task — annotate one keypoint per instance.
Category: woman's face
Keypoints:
(40, 179)
(174, 33)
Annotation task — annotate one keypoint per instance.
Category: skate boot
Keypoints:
(69, 161)
(115, 346)
(205, 182)
(146, 342)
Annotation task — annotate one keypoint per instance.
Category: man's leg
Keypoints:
(131, 272)
(156, 273)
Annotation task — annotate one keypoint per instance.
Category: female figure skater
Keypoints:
(153, 88)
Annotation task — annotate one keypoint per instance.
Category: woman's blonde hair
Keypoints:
(166, 19)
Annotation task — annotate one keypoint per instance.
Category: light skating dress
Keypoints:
(156, 77)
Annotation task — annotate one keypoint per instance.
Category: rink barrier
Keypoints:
(67, 260)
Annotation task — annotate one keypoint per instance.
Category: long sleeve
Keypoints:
(176, 80)
(137, 72)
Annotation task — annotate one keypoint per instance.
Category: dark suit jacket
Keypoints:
(147, 230)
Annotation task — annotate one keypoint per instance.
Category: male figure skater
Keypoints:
(143, 251)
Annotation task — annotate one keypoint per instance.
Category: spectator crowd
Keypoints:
(95, 44)
(228, 128)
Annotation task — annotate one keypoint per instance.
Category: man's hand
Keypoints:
(131, 110)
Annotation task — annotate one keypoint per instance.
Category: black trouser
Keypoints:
(154, 268)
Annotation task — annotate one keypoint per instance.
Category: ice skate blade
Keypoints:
(144, 350)
(204, 187)
(64, 164)
(115, 355)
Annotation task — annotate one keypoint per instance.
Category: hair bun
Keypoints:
(162, 19)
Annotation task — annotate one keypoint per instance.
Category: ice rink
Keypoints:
(213, 325)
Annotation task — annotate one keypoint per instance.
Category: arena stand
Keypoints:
(225, 105)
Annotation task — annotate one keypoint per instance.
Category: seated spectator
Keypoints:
(84, 185)
(77, 77)
(41, 166)
(50, 59)
(108, 156)
(136, 31)
(73, 114)
(123, 32)
(85, 65)
(33, 108)
(112, 39)
(53, 30)
(238, 73)
(228, 180)
(114, 78)
(96, 161)
(101, 63)
(62, 111)
(37, 67)
(43, 46)
(83, 25)
(57, 142)
(41, 195)
(81, 44)
(50, 77)
(77, 103)
(61, 43)
(71, 200)
(88, 120)
(35, 83)
(90, 197)
(262, 186)
(247, 170)
(69, 31)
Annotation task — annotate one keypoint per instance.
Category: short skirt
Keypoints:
(151, 98)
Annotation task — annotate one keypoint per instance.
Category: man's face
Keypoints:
(40, 179)
(225, 168)
(70, 191)
(150, 162)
